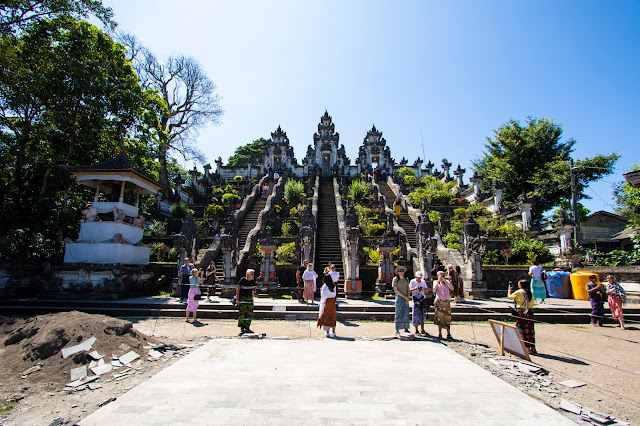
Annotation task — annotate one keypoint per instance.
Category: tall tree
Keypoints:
(249, 153)
(68, 95)
(16, 15)
(189, 101)
(628, 200)
(533, 160)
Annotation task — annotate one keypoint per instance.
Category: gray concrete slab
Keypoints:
(327, 381)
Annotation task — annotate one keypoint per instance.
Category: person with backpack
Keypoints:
(327, 314)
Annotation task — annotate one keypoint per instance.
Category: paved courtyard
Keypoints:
(324, 381)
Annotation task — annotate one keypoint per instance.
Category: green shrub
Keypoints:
(286, 252)
(524, 250)
(373, 255)
(405, 171)
(230, 198)
(179, 210)
(358, 191)
(158, 228)
(490, 257)
(238, 178)
(213, 210)
(202, 227)
(172, 254)
(452, 240)
(293, 191)
(286, 229)
(158, 252)
(434, 216)
(410, 180)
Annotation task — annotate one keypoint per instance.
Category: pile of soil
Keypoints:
(25, 343)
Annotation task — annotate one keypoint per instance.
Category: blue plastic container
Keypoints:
(559, 284)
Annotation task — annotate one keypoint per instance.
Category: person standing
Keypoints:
(244, 299)
(442, 317)
(335, 275)
(211, 280)
(617, 296)
(421, 302)
(523, 298)
(401, 289)
(454, 278)
(538, 275)
(309, 277)
(193, 297)
(300, 281)
(396, 209)
(327, 314)
(184, 273)
(596, 293)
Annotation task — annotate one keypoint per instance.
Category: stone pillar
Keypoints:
(385, 267)
(426, 250)
(475, 180)
(268, 264)
(429, 167)
(459, 172)
(353, 284)
(499, 192)
(474, 246)
(228, 246)
(446, 166)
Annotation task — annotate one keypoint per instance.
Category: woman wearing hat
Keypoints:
(401, 289)
(421, 303)
(442, 317)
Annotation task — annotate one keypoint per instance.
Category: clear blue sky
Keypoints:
(452, 71)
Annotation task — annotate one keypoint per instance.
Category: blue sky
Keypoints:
(449, 72)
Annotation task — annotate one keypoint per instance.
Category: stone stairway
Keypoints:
(328, 235)
(249, 222)
(404, 220)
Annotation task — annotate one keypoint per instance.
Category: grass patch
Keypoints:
(8, 406)
(165, 294)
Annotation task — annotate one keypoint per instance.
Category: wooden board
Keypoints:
(509, 339)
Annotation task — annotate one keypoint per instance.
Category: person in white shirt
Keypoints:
(327, 315)
(420, 290)
(309, 278)
(538, 276)
(335, 275)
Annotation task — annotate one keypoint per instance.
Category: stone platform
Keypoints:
(238, 381)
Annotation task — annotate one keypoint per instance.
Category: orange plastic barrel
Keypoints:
(579, 282)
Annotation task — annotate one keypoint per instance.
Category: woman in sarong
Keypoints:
(442, 317)
(523, 297)
(401, 289)
(422, 300)
(244, 299)
(309, 277)
(327, 315)
(596, 293)
(617, 296)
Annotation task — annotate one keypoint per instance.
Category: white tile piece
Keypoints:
(95, 355)
(128, 357)
(572, 384)
(84, 346)
(155, 354)
(102, 369)
(78, 373)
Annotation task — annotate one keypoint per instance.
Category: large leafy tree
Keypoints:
(249, 153)
(533, 160)
(68, 95)
(628, 200)
(16, 15)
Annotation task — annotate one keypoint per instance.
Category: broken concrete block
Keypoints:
(280, 338)
(572, 384)
(116, 364)
(95, 355)
(84, 346)
(155, 354)
(571, 407)
(128, 357)
(94, 386)
(32, 370)
(102, 369)
(253, 336)
(78, 373)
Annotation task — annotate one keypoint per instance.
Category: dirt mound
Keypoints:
(39, 340)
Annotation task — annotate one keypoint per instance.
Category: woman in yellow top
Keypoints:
(523, 297)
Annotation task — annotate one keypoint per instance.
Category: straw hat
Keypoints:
(401, 269)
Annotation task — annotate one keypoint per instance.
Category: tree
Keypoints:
(628, 200)
(532, 160)
(249, 153)
(16, 15)
(68, 95)
(188, 101)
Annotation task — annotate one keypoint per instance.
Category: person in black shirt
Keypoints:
(244, 297)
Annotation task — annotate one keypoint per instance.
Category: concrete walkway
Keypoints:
(324, 381)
